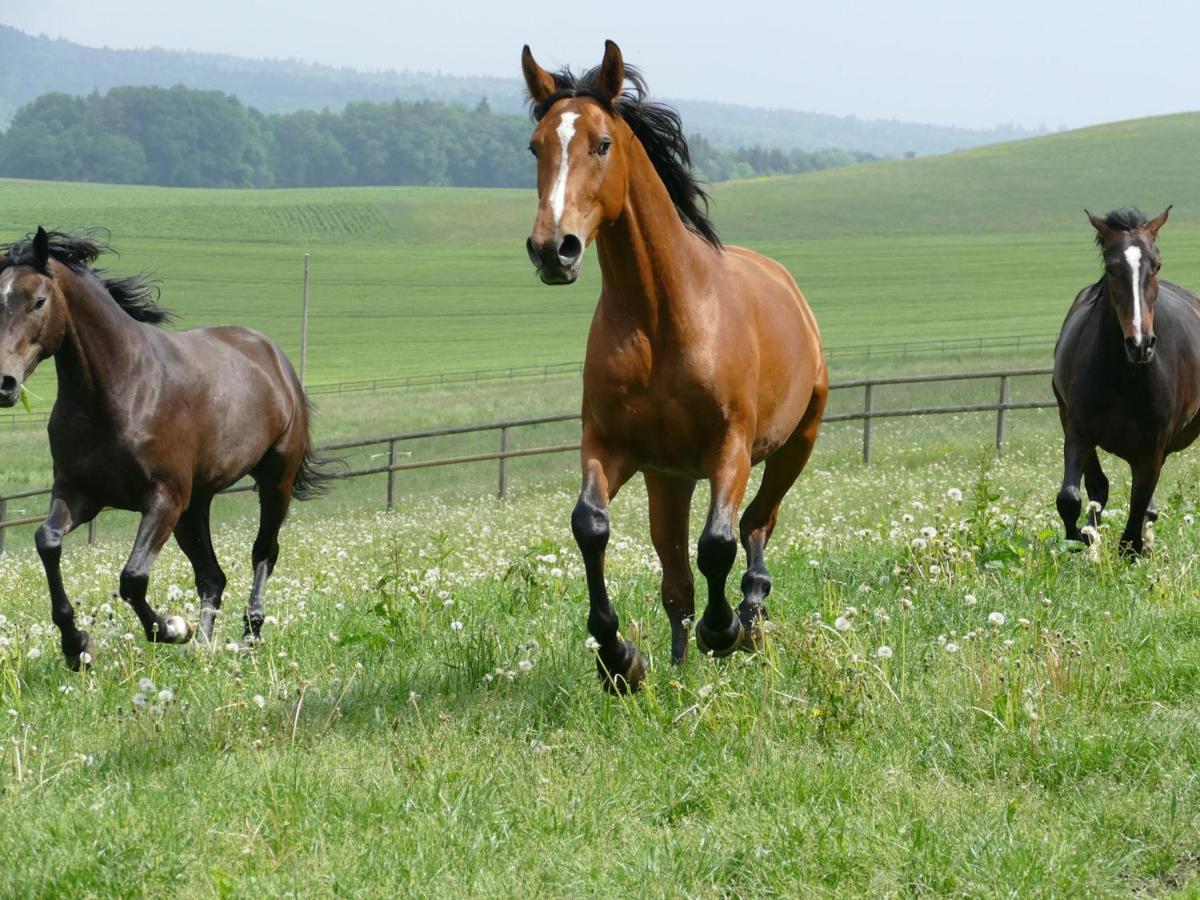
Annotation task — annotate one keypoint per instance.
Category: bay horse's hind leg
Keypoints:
(158, 521)
(780, 472)
(275, 480)
(194, 537)
(670, 503)
(67, 512)
(1096, 483)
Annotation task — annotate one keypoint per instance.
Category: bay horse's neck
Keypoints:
(99, 343)
(648, 257)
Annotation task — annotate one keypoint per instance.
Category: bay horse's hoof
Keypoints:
(177, 630)
(624, 675)
(753, 619)
(85, 657)
(720, 643)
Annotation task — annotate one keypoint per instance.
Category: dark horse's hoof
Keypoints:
(624, 673)
(83, 657)
(719, 643)
(753, 618)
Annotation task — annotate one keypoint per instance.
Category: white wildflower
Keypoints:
(884, 652)
(996, 618)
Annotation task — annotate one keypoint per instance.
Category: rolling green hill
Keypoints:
(413, 280)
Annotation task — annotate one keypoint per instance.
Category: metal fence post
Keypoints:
(868, 405)
(391, 483)
(1002, 416)
(503, 487)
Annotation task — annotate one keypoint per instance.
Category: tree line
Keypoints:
(179, 137)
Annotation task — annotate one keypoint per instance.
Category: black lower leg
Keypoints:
(1069, 501)
(718, 629)
(1096, 483)
(74, 641)
(756, 584)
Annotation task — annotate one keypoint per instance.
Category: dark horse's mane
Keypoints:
(660, 130)
(136, 294)
(1127, 218)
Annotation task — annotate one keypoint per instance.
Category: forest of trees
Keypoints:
(179, 137)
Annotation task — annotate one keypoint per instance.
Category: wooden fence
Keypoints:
(867, 415)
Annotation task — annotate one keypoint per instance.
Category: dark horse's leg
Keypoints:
(618, 662)
(195, 540)
(670, 503)
(1075, 452)
(780, 472)
(1096, 483)
(1145, 479)
(158, 521)
(67, 512)
(719, 631)
(274, 498)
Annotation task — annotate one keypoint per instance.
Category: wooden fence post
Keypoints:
(1002, 416)
(868, 405)
(503, 487)
(3, 516)
(391, 481)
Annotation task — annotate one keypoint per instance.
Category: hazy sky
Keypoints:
(961, 62)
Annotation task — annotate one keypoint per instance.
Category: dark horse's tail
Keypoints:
(317, 472)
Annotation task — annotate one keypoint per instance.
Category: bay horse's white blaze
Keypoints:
(558, 195)
(1133, 256)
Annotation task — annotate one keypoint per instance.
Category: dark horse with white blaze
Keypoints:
(1126, 373)
(702, 360)
(149, 420)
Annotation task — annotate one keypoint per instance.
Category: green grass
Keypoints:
(368, 747)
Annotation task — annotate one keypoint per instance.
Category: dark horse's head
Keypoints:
(1131, 264)
(584, 144)
(34, 313)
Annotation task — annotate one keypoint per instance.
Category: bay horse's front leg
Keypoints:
(67, 512)
(619, 664)
(670, 506)
(719, 630)
(1070, 503)
(158, 521)
(1141, 499)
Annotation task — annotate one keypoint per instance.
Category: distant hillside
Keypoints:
(31, 66)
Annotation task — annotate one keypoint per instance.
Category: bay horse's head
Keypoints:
(587, 129)
(1131, 264)
(32, 313)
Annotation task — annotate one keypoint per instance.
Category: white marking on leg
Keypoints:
(1133, 256)
(558, 196)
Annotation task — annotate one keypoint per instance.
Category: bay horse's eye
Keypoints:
(533, 150)
(603, 147)
(39, 303)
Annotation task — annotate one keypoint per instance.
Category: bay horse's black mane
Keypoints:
(660, 130)
(136, 294)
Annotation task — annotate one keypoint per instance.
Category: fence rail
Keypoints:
(867, 415)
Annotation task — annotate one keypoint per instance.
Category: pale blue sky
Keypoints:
(1055, 62)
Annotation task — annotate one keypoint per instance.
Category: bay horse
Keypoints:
(702, 360)
(149, 420)
(1126, 373)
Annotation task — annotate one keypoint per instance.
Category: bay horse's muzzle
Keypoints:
(557, 260)
(10, 391)
(1140, 353)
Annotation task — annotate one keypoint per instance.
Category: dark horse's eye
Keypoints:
(39, 303)
(603, 147)
(533, 149)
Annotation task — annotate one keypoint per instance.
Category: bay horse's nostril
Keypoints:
(8, 384)
(569, 250)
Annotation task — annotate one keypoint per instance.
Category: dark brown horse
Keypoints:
(1126, 373)
(702, 360)
(149, 420)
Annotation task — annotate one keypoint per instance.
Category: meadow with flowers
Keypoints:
(951, 700)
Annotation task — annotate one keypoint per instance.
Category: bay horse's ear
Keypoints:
(538, 81)
(1158, 222)
(41, 248)
(1100, 225)
(612, 71)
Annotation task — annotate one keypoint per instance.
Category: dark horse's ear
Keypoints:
(1100, 225)
(538, 81)
(41, 248)
(612, 71)
(1158, 222)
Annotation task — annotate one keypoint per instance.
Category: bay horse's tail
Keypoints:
(317, 472)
